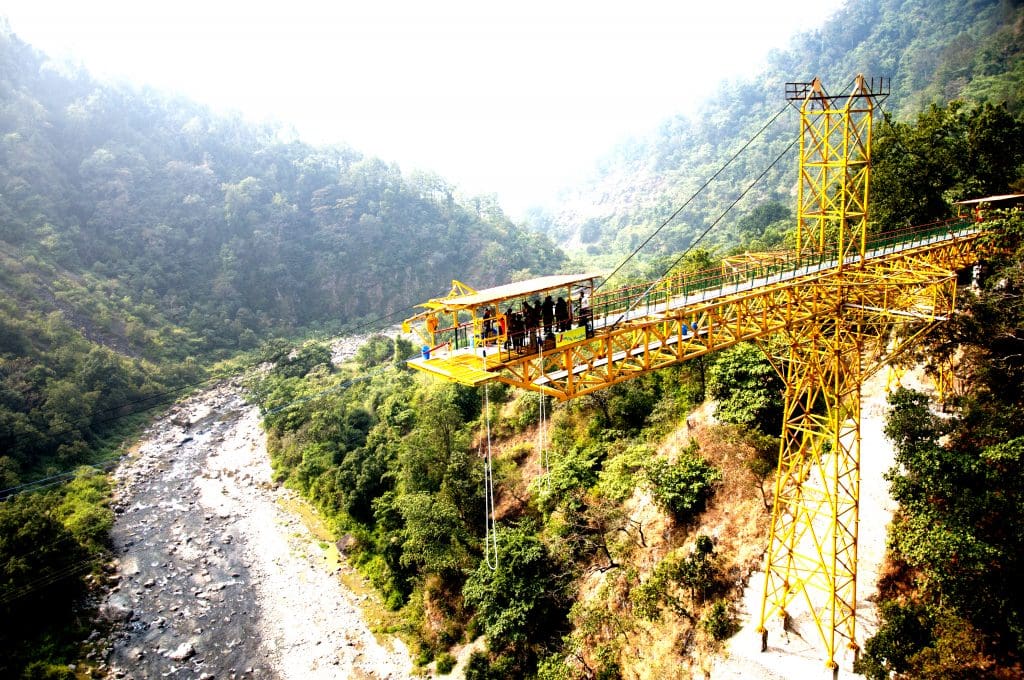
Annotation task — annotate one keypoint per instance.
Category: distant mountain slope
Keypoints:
(228, 231)
(142, 237)
(933, 50)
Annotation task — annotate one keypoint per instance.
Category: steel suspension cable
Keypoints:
(694, 195)
(490, 527)
(711, 226)
(542, 452)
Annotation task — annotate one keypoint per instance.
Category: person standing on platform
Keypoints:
(547, 314)
(562, 314)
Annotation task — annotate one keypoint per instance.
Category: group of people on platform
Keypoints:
(522, 328)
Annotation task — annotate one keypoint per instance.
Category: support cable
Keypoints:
(694, 195)
(541, 427)
(711, 226)
(887, 118)
(704, 186)
(490, 527)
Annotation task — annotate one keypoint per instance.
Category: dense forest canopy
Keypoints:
(226, 229)
(143, 237)
(139, 233)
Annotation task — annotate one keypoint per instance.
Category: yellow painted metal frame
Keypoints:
(832, 196)
(812, 545)
(434, 309)
(835, 325)
(906, 285)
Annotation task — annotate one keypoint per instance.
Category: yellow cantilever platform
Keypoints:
(460, 368)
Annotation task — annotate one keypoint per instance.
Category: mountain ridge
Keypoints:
(944, 50)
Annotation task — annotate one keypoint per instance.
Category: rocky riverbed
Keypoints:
(216, 577)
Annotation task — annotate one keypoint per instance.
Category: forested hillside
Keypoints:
(934, 51)
(951, 600)
(625, 519)
(139, 233)
(143, 237)
(622, 534)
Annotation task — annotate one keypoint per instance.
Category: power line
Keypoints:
(11, 594)
(14, 593)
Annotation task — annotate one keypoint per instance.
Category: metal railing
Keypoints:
(644, 298)
(675, 290)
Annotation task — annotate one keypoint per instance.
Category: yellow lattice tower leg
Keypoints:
(894, 377)
(812, 549)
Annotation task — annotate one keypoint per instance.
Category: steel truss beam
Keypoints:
(838, 320)
(684, 332)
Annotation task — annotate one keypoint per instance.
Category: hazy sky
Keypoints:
(513, 98)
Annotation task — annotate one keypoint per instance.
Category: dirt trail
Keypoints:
(217, 578)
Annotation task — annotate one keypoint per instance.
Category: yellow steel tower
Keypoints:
(829, 315)
(812, 546)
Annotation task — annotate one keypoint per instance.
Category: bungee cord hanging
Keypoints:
(490, 525)
(542, 451)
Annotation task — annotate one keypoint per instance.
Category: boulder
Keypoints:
(184, 651)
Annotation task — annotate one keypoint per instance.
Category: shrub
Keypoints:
(618, 476)
(904, 632)
(43, 670)
(376, 350)
(682, 489)
(425, 656)
(747, 387)
(479, 667)
(526, 410)
(718, 622)
(445, 663)
(303, 360)
(524, 598)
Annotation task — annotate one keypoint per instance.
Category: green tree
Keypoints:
(434, 536)
(748, 389)
(682, 488)
(950, 153)
(524, 600)
(905, 632)
(41, 563)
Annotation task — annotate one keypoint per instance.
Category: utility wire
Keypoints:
(10, 594)
(161, 397)
(13, 593)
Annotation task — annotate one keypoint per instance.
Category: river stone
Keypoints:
(184, 651)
